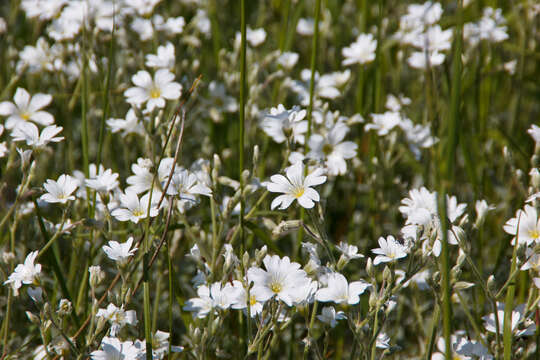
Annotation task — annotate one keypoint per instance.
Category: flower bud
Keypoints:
(491, 284)
(387, 274)
(369, 268)
(245, 260)
(535, 178)
(96, 275)
(33, 318)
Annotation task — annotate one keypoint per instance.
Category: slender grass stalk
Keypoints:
(509, 304)
(434, 326)
(106, 93)
(314, 48)
(445, 180)
(241, 145)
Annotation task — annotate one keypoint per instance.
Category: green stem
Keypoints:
(241, 137)
(314, 47)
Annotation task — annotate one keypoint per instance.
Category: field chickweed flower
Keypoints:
(25, 108)
(390, 250)
(517, 318)
(217, 197)
(104, 182)
(525, 226)
(134, 209)
(282, 124)
(330, 316)
(119, 252)
(361, 51)
(338, 290)
(153, 91)
(59, 191)
(29, 132)
(332, 149)
(296, 187)
(113, 348)
(118, 317)
(24, 273)
(282, 279)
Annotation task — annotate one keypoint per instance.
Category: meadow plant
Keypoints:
(285, 179)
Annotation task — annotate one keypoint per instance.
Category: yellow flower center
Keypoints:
(138, 212)
(155, 93)
(276, 287)
(327, 149)
(252, 300)
(299, 192)
(534, 234)
(25, 115)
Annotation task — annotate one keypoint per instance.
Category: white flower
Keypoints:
(296, 186)
(305, 27)
(118, 317)
(240, 300)
(134, 209)
(361, 51)
(482, 208)
(288, 59)
(120, 252)
(383, 341)
(160, 346)
(24, 273)
(330, 316)
(25, 108)
(281, 279)
(417, 135)
(59, 191)
(29, 132)
(186, 185)
(104, 182)
(114, 349)
(153, 91)
(340, 291)
(129, 125)
(390, 250)
(173, 25)
(282, 124)
(433, 40)
(165, 57)
(349, 251)
(212, 297)
(517, 317)
(254, 37)
(383, 123)
(533, 260)
(143, 7)
(418, 59)
(332, 149)
(525, 226)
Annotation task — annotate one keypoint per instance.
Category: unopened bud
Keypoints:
(369, 268)
(96, 275)
(492, 286)
(255, 156)
(535, 178)
(245, 260)
(245, 175)
(387, 274)
(33, 318)
(373, 299)
(461, 258)
(286, 227)
(260, 254)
